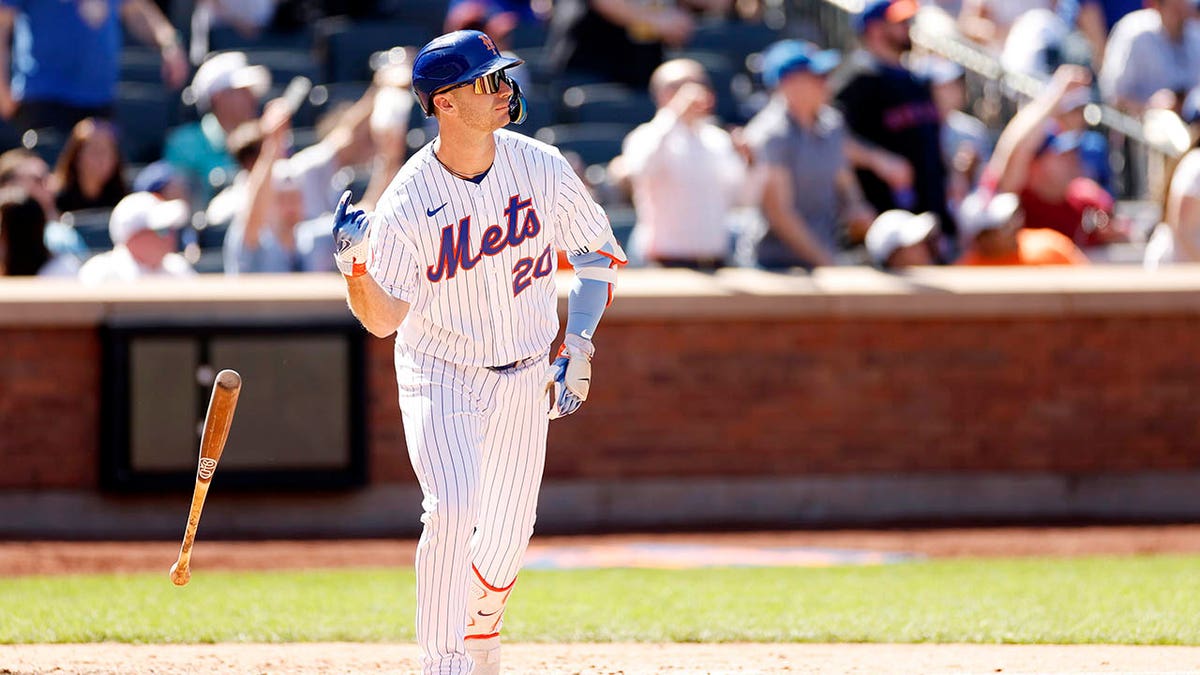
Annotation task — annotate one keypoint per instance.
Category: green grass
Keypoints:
(1133, 600)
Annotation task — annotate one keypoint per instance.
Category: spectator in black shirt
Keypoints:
(892, 117)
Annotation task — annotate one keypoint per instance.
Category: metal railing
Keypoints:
(1145, 157)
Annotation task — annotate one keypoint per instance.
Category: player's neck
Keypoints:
(466, 155)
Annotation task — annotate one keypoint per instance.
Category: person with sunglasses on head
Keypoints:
(459, 258)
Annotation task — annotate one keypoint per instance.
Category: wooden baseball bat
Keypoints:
(224, 399)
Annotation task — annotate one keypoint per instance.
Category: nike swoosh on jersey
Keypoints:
(433, 212)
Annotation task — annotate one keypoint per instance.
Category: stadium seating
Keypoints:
(92, 226)
(143, 114)
(606, 102)
(345, 47)
(595, 142)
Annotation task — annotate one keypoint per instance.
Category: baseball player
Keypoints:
(459, 258)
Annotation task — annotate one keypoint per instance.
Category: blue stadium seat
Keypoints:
(605, 102)
(622, 219)
(429, 15)
(285, 64)
(345, 47)
(734, 39)
(47, 143)
(141, 64)
(143, 114)
(224, 38)
(528, 34)
(92, 226)
(595, 143)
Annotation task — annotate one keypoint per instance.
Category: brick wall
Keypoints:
(49, 407)
(787, 397)
(774, 398)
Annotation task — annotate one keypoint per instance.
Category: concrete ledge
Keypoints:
(580, 506)
(841, 292)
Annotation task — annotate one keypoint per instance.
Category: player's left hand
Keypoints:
(570, 376)
(350, 238)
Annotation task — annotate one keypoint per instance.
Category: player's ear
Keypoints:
(443, 103)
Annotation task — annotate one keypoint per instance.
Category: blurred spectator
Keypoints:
(1177, 238)
(389, 131)
(23, 250)
(1042, 38)
(895, 126)
(799, 142)
(276, 196)
(1149, 51)
(899, 239)
(90, 172)
(497, 18)
(144, 230)
(685, 173)
(965, 141)
(227, 90)
(162, 179)
(992, 232)
(247, 17)
(65, 57)
(1037, 160)
(618, 40)
(1093, 145)
(25, 169)
(988, 22)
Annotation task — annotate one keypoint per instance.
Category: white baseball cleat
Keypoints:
(485, 652)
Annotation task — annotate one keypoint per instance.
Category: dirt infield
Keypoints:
(342, 658)
(20, 558)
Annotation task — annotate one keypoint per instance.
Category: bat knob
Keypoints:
(180, 575)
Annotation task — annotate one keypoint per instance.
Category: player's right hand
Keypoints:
(350, 238)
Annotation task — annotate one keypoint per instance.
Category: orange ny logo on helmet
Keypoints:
(487, 42)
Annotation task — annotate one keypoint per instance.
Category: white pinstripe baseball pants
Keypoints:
(477, 442)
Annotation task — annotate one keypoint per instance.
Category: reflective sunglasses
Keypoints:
(486, 84)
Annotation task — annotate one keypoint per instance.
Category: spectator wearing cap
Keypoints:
(65, 57)
(227, 92)
(811, 201)
(992, 232)
(1149, 51)
(899, 239)
(162, 179)
(1040, 162)
(685, 173)
(1177, 238)
(144, 230)
(895, 126)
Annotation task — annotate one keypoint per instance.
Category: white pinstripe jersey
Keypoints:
(476, 262)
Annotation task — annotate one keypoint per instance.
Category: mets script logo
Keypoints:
(207, 466)
(491, 46)
(455, 252)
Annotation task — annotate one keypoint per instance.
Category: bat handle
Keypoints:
(180, 571)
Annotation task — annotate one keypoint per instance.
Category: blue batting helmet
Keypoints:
(456, 58)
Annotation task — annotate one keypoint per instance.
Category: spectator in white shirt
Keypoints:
(685, 172)
(145, 234)
(1150, 51)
